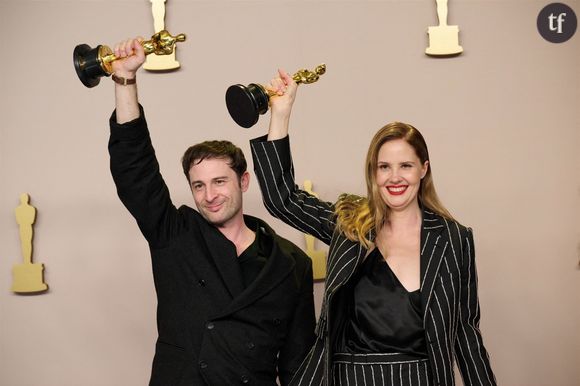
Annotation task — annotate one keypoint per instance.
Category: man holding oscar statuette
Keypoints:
(235, 300)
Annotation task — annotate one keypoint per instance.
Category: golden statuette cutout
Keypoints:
(318, 257)
(246, 104)
(443, 39)
(93, 63)
(155, 62)
(27, 277)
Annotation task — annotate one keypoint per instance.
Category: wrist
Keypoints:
(282, 116)
(123, 80)
(278, 128)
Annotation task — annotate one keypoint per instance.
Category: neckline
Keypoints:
(418, 290)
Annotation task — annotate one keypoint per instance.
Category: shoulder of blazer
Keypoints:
(453, 227)
(457, 233)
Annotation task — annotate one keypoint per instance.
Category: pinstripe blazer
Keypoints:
(448, 275)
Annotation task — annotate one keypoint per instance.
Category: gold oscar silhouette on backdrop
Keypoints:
(318, 257)
(155, 62)
(443, 39)
(27, 277)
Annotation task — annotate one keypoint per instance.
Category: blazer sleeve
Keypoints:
(472, 357)
(139, 183)
(281, 196)
(301, 329)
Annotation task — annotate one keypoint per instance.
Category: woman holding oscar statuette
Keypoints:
(400, 302)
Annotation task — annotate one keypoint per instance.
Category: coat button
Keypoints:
(202, 364)
(245, 380)
(277, 322)
(201, 283)
(210, 326)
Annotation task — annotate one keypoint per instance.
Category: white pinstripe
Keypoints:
(426, 242)
(364, 375)
(346, 372)
(401, 375)
(453, 306)
(439, 346)
(418, 375)
(316, 368)
(445, 334)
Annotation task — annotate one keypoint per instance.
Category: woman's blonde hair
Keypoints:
(358, 217)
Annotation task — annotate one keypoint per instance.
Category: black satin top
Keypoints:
(383, 317)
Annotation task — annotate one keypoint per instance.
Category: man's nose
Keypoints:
(210, 194)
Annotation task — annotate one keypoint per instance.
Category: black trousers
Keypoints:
(380, 370)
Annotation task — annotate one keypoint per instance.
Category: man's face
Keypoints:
(217, 191)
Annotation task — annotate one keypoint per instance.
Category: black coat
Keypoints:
(211, 330)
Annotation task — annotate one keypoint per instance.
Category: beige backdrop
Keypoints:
(502, 121)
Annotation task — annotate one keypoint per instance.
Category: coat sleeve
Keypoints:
(281, 196)
(301, 329)
(139, 184)
(472, 357)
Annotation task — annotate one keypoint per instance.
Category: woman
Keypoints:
(400, 301)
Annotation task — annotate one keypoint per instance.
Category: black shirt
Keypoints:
(383, 316)
(254, 258)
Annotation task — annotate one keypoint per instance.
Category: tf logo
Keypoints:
(557, 22)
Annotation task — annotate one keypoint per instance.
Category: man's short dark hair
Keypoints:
(214, 149)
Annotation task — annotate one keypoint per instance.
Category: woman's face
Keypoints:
(399, 174)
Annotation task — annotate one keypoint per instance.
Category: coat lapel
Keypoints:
(278, 266)
(434, 243)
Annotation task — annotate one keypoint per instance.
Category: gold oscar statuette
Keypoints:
(28, 277)
(93, 63)
(443, 39)
(246, 103)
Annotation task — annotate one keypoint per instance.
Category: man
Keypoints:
(235, 301)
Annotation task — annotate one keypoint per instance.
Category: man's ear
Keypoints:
(245, 181)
